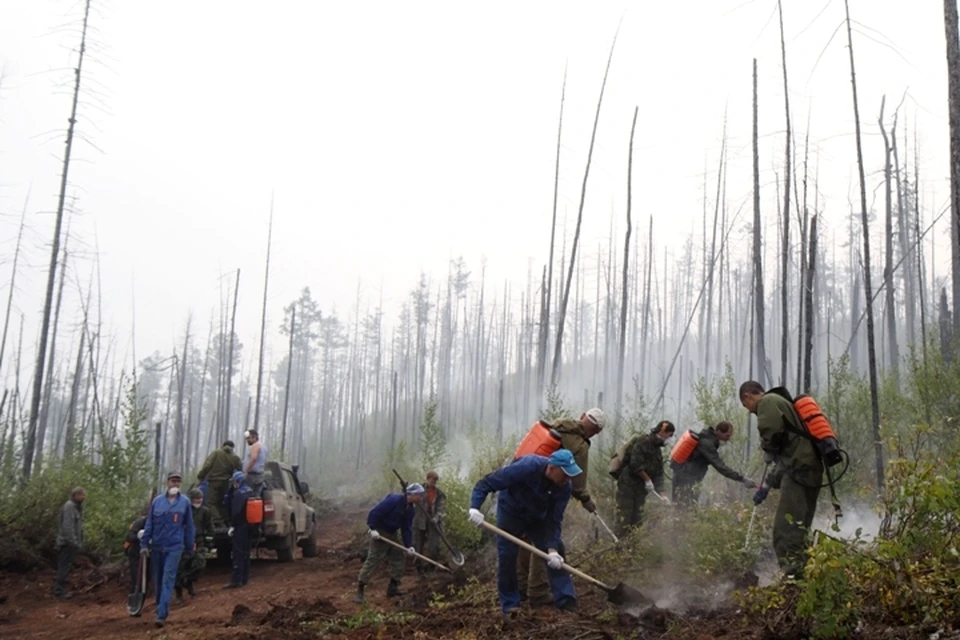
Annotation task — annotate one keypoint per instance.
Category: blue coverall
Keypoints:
(532, 505)
(170, 532)
(241, 534)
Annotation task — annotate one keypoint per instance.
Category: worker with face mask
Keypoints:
(168, 534)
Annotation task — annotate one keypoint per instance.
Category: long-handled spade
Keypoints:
(604, 524)
(135, 600)
(620, 594)
(415, 555)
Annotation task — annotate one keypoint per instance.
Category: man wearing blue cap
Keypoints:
(238, 531)
(393, 513)
(534, 492)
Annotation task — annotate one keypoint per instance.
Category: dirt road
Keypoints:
(313, 597)
(323, 585)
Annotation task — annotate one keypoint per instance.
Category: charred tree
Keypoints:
(868, 286)
(953, 82)
(558, 349)
(263, 323)
(621, 357)
(758, 297)
(29, 446)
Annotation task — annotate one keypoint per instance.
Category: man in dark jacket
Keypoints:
(642, 474)
(191, 568)
(167, 535)
(688, 476)
(393, 513)
(216, 471)
(69, 539)
(239, 532)
(798, 473)
(427, 521)
(131, 545)
(533, 495)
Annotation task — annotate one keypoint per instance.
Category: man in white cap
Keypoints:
(393, 513)
(533, 494)
(575, 437)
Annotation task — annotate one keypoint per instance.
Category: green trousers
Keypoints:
(426, 542)
(380, 551)
(798, 505)
(631, 496)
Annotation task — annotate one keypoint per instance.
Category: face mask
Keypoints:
(172, 491)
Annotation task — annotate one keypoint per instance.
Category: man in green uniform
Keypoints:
(216, 471)
(191, 568)
(575, 437)
(642, 474)
(688, 476)
(797, 472)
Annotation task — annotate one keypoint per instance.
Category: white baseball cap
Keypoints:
(597, 417)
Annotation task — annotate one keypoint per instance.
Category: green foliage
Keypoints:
(117, 482)
(433, 443)
(908, 576)
(556, 409)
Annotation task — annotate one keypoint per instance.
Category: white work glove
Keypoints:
(648, 485)
(411, 551)
(475, 517)
(140, 534)
(374, 534)
(230, 532)
(555, 561)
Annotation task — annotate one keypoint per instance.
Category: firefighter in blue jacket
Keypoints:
(239, 532)
(167, 534)
(395, 512)
(534, 492)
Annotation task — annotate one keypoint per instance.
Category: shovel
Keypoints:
(612, 534)
(415, 554)
(455, 555)
(621, 594)
(135, 599)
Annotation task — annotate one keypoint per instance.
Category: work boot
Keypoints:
(65, 595)
(191, 590)
(159, 623)
(359, 597)
(232, 585)
(393, 589)
(179, 591)
(569, 605)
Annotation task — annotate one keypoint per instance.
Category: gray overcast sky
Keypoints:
(399, 135)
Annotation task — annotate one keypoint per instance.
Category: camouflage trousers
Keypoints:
(189, 570)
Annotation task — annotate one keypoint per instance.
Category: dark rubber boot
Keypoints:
(359, 597)
(393, 589)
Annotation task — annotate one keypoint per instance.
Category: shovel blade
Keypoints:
(456, 557)
(135, 603)
(623, 594)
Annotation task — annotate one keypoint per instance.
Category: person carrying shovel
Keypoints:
(393, 513)
(427, 522)
(533, 494)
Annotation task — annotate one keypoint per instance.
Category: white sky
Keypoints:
(399, 135)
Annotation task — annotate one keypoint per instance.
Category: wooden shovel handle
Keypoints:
(532, 549)
(383, 538)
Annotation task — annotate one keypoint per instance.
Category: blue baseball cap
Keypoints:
(564, 459)
(238, 477)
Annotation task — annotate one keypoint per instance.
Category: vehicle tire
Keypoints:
(289, 546)
(309, 546)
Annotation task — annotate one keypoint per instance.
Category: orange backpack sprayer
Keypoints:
(254, 510)
(541, 440)
(685, 447)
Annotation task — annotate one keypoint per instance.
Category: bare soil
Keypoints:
(313, 597)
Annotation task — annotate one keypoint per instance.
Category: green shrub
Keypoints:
(117, 487)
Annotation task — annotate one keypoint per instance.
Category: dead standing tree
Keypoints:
(29, 447)
(626, 273)
(868, 286)
(953, 78)
(558, 348)
(758, 297)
